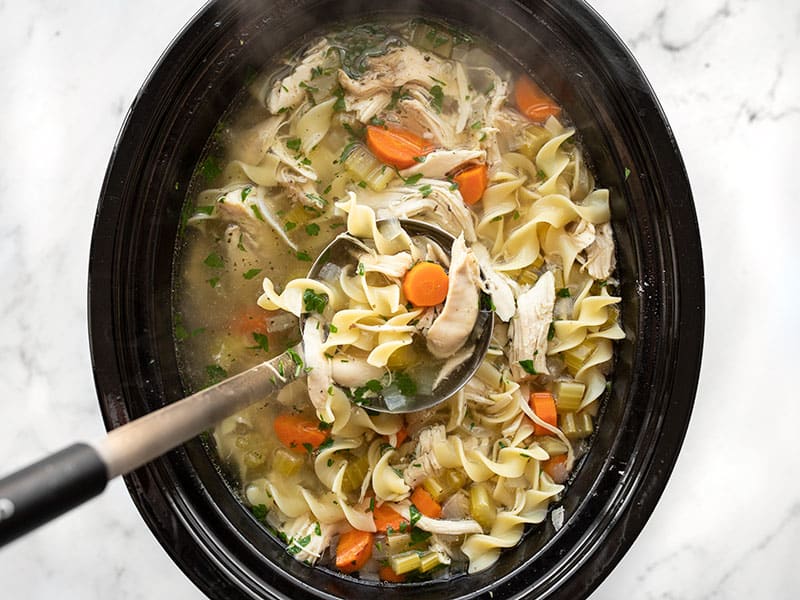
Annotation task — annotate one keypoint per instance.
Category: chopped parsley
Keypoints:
(246, 192)
(333, 328)
(551, 332)
(210, 168)
(214, 261)
(213, 282)
(438, 98)
(426, 190)
(418, 535)
(289, 225)
(414, 513)
(627, 173)
(260, 512)
(312, 229)
(310, 88)
(262, 342)
(413, 179)
(527, 366)
(293, 144)
(303, 256)
(405, 384)
(257, 212)
(314, 302)
(316, 198)
(563, 293)
(339, 105)
(215, 374)
(206, 210)
(251, 273)
(360, 269)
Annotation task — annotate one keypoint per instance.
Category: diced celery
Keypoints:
(434, 487)
(244, 442)
(569, 395)
(405, 562)
(287, 463)
(296, 216)
(482, 506)
(527, 276)
(574, 358)
(558, 279)
(454, 479)
(355, 472)
(533, 138)
(577, 426)
(398, 542)
(429, 37)
(254, 459)
(428, 561)
(363, 166)
(553, 446)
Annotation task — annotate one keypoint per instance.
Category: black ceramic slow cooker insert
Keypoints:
(183, 497)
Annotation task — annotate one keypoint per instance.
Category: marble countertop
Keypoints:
(726, 72)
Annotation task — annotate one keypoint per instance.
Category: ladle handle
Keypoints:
(49, 488)
(44, 490)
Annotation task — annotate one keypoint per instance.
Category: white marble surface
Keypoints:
(726, 72)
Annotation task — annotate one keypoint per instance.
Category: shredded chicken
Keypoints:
(240, 212)
(391, 265)
(530, 326)
(299, 188)
(497, 285)
(319, 375)
(452, 327)
(416, 114)
(425, 464)
(304, 541)
(396, 68)
(368, 106)
(510, 124)
(287, 92)
(600, 260)
(439, 163)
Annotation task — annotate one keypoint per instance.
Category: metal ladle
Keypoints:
(44, 490)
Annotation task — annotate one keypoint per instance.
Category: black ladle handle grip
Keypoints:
(48, 488)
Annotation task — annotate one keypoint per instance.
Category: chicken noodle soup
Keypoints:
(386, 322)
(370, 124)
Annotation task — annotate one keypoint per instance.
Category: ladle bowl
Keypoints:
(339, 250)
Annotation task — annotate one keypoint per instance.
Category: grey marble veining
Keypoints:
(728, 76)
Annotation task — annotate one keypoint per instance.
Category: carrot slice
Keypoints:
(387, 518)
(425, 284)
(298, 433)
(472, 182)
(400, 437)
(533, 102)
(556, 468)
(544, 405)
(397, 147)
(387, 574)
(354, 550)
(425, 503)
(252, 319)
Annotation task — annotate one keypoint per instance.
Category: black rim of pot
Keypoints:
(179, 494)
